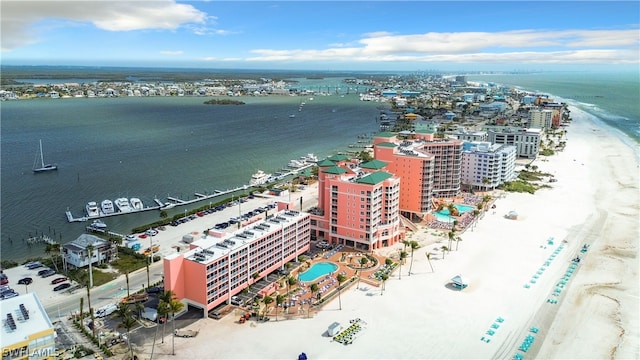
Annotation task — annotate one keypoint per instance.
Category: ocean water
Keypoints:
(613, 98)
(150, 148)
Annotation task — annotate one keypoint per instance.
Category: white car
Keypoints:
(151, 232)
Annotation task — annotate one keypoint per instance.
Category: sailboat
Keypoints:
(39, 165)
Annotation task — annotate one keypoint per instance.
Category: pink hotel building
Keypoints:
(358, 204)
(428, 168)
(222, 264)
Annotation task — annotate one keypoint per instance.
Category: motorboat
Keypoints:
(92, 209)
(98, 224)
(295, 163)
(107, 207)
(123, 204)
(136, 204)
(310, 158)
(259, 178)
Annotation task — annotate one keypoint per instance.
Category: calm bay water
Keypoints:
(107, 148)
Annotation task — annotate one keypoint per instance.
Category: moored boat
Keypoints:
(295, 163)
(136, 204)
(107, 207)
(92, 209)
(259, 178)
(98, 224)
(123, 204)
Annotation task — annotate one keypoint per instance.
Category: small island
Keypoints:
(223, 102)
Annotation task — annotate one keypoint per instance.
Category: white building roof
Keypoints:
(27, 314)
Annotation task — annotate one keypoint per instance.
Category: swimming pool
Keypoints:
(317, 270)
(443, 215)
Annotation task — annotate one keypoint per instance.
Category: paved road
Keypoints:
(104, 294)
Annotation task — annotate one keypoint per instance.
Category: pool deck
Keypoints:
(301, 302)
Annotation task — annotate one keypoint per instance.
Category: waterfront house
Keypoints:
(76, 254)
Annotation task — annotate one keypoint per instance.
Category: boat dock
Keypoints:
(174, 201)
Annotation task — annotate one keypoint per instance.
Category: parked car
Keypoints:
(58, 280)
(154, 290)
(48, 273)
(236, 301)
(62, 287)
(33, 265)
(151, 232)
(4, 279)
(41, 272)
(7, 294)
(25, 281)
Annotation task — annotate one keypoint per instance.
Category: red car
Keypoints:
(58, 280)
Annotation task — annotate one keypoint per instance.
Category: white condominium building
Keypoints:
(486, 165)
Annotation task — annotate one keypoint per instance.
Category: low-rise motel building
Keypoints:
(222, 264)
(428, 168)
(358, 204)
(27, 331)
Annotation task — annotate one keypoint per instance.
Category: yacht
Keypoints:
(136, 204)
(92, 209)
(295, 163)
(310, 158)
(259, 178)
(107, 207)
(123, 204)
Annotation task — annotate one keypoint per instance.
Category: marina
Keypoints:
(173, 201)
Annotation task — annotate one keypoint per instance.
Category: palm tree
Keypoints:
(266, 300)
(139, 308)
(174, 306)
(384, 282)
(451, 235)
(279, 300)
(403, 255)
(90, 309)
(163, 311)
(363, 261)
(126, 275)
(81, 308)
(314, 289)
(52, 249)
(341, 278)
(444, 249)
(429, 260)
(458, 239)
(127, 322)
(290, 282)
(90, 251)
(414, 245)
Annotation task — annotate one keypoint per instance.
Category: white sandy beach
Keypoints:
(595, 201)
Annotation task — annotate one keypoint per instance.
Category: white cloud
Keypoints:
(18, 17)
(527, 46)
(171, 52)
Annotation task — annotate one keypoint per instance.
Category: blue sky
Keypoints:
(322, 35)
